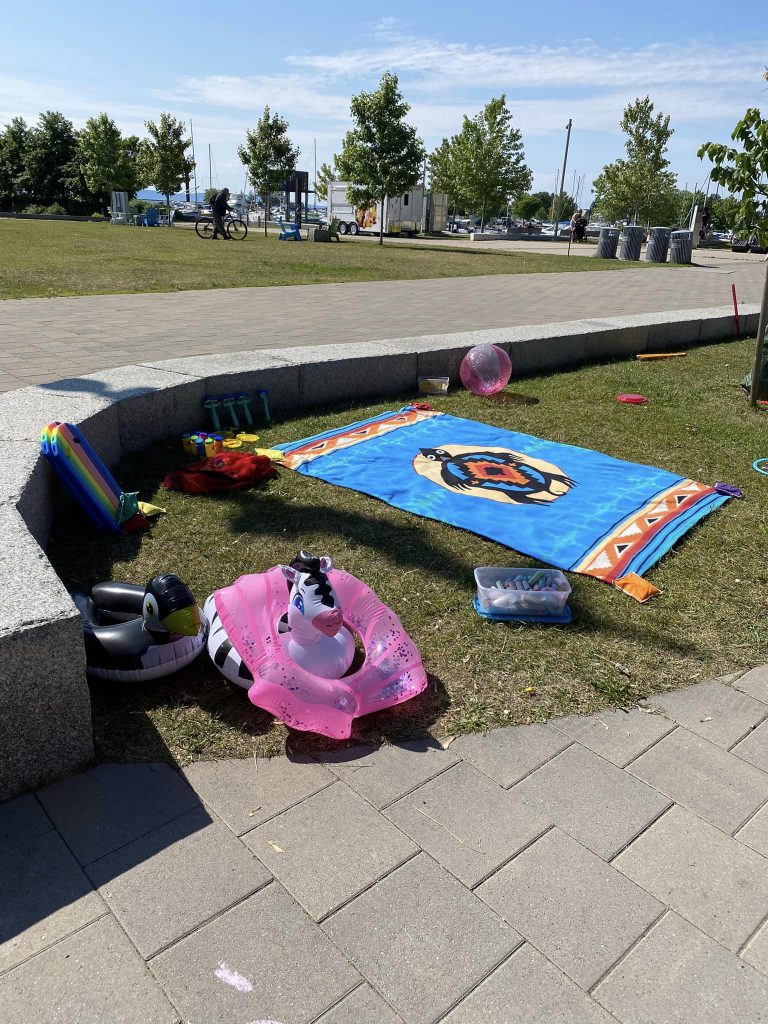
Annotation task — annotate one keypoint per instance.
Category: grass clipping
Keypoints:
(710, 619)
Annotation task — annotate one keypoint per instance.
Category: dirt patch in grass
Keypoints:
(49, 258)
(710, 619)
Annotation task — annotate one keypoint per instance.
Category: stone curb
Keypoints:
(45, 725)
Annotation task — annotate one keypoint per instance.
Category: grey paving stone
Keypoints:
(93, 977)
(421, 939)
(21, 819)
(754, 748)
(712, 783)
(246, 793)
(467, 822)
(755, 683)
(756, 952)
(579, 911)
(755, 833)
(717, 712)
(528, 989)
(262, 960)
(677, 975)
(328, 848)
(44, 895)
(591, 799)
(148, 883)
(363, 1006)
(104, 808)
(384, 774)
(618, 736)
(708, 878)
(507, 755)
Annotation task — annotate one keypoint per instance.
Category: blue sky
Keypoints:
(700, 62)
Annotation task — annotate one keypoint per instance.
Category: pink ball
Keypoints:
(485, 369)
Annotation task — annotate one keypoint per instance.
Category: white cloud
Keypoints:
(504, 67)
(292, 94)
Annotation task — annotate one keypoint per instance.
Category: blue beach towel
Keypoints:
(569, 507)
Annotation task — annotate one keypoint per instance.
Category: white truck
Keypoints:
(406, 214)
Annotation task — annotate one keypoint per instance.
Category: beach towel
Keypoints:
(573, 508)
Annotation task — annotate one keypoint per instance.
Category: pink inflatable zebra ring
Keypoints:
(288, 636)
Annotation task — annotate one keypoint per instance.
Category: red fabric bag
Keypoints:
(225, 471)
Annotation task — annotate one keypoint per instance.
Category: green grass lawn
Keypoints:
(47, 258)
(710, 619)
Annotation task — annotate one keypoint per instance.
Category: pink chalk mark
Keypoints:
(230, 977)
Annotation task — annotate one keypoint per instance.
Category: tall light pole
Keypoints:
(562, 179)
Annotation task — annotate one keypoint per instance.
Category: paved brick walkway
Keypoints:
(592, 870)
(47, 339)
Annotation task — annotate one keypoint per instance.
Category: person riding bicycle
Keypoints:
(220, 208)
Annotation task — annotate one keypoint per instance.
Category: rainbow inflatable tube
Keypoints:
(248, 646)
(83, 473)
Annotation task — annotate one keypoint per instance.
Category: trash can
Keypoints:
(681, 247)
(658, 245)
(631, 240)
(607, 243)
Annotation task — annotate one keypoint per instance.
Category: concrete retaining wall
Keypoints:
(45, 719)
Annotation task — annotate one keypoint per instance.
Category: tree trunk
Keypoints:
(266, 214)
(186, 184)
(482, 218)
(168, 207)
(757, 368)
(381, 222)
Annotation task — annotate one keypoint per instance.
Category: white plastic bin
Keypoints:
(492, 598)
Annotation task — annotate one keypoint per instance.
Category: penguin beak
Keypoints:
(184, 622)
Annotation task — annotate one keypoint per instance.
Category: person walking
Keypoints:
(220, 208)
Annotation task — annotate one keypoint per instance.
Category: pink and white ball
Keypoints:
(485, 369)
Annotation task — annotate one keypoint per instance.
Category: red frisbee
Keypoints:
(632, 399)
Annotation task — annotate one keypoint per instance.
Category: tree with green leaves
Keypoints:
(639, 188)
(382, 155)
(269, 156)
(526, 206)
(326, 174)
(210, 195)
(442, 172)
(724, 212)
(163, 156)
(488, 161)
(13, 149)
(743, 170)
(107, 160)
(50, 160)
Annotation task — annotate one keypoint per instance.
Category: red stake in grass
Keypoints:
(735, 310)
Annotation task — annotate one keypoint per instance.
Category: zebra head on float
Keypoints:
(313, 607)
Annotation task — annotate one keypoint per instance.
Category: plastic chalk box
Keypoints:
(519, 596)
(434, 385)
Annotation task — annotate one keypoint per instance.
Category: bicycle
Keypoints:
(235, 227)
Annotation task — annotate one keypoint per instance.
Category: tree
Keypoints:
(326, 174)
(163, 157)
(639, 187)
(210, 195)
(13, 151)
(107, 160)
(442, 170)
(488, 161)
(724, 212)
(188, 168)
(382, 155)
(269, 156)
(526, 207)
(50, 160)
(743, 170)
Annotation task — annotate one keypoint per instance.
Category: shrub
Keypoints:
(33, 208)
(55, 208)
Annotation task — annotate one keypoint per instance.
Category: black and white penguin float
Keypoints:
(135, 633)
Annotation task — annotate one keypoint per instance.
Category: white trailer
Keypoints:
(403, 215)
